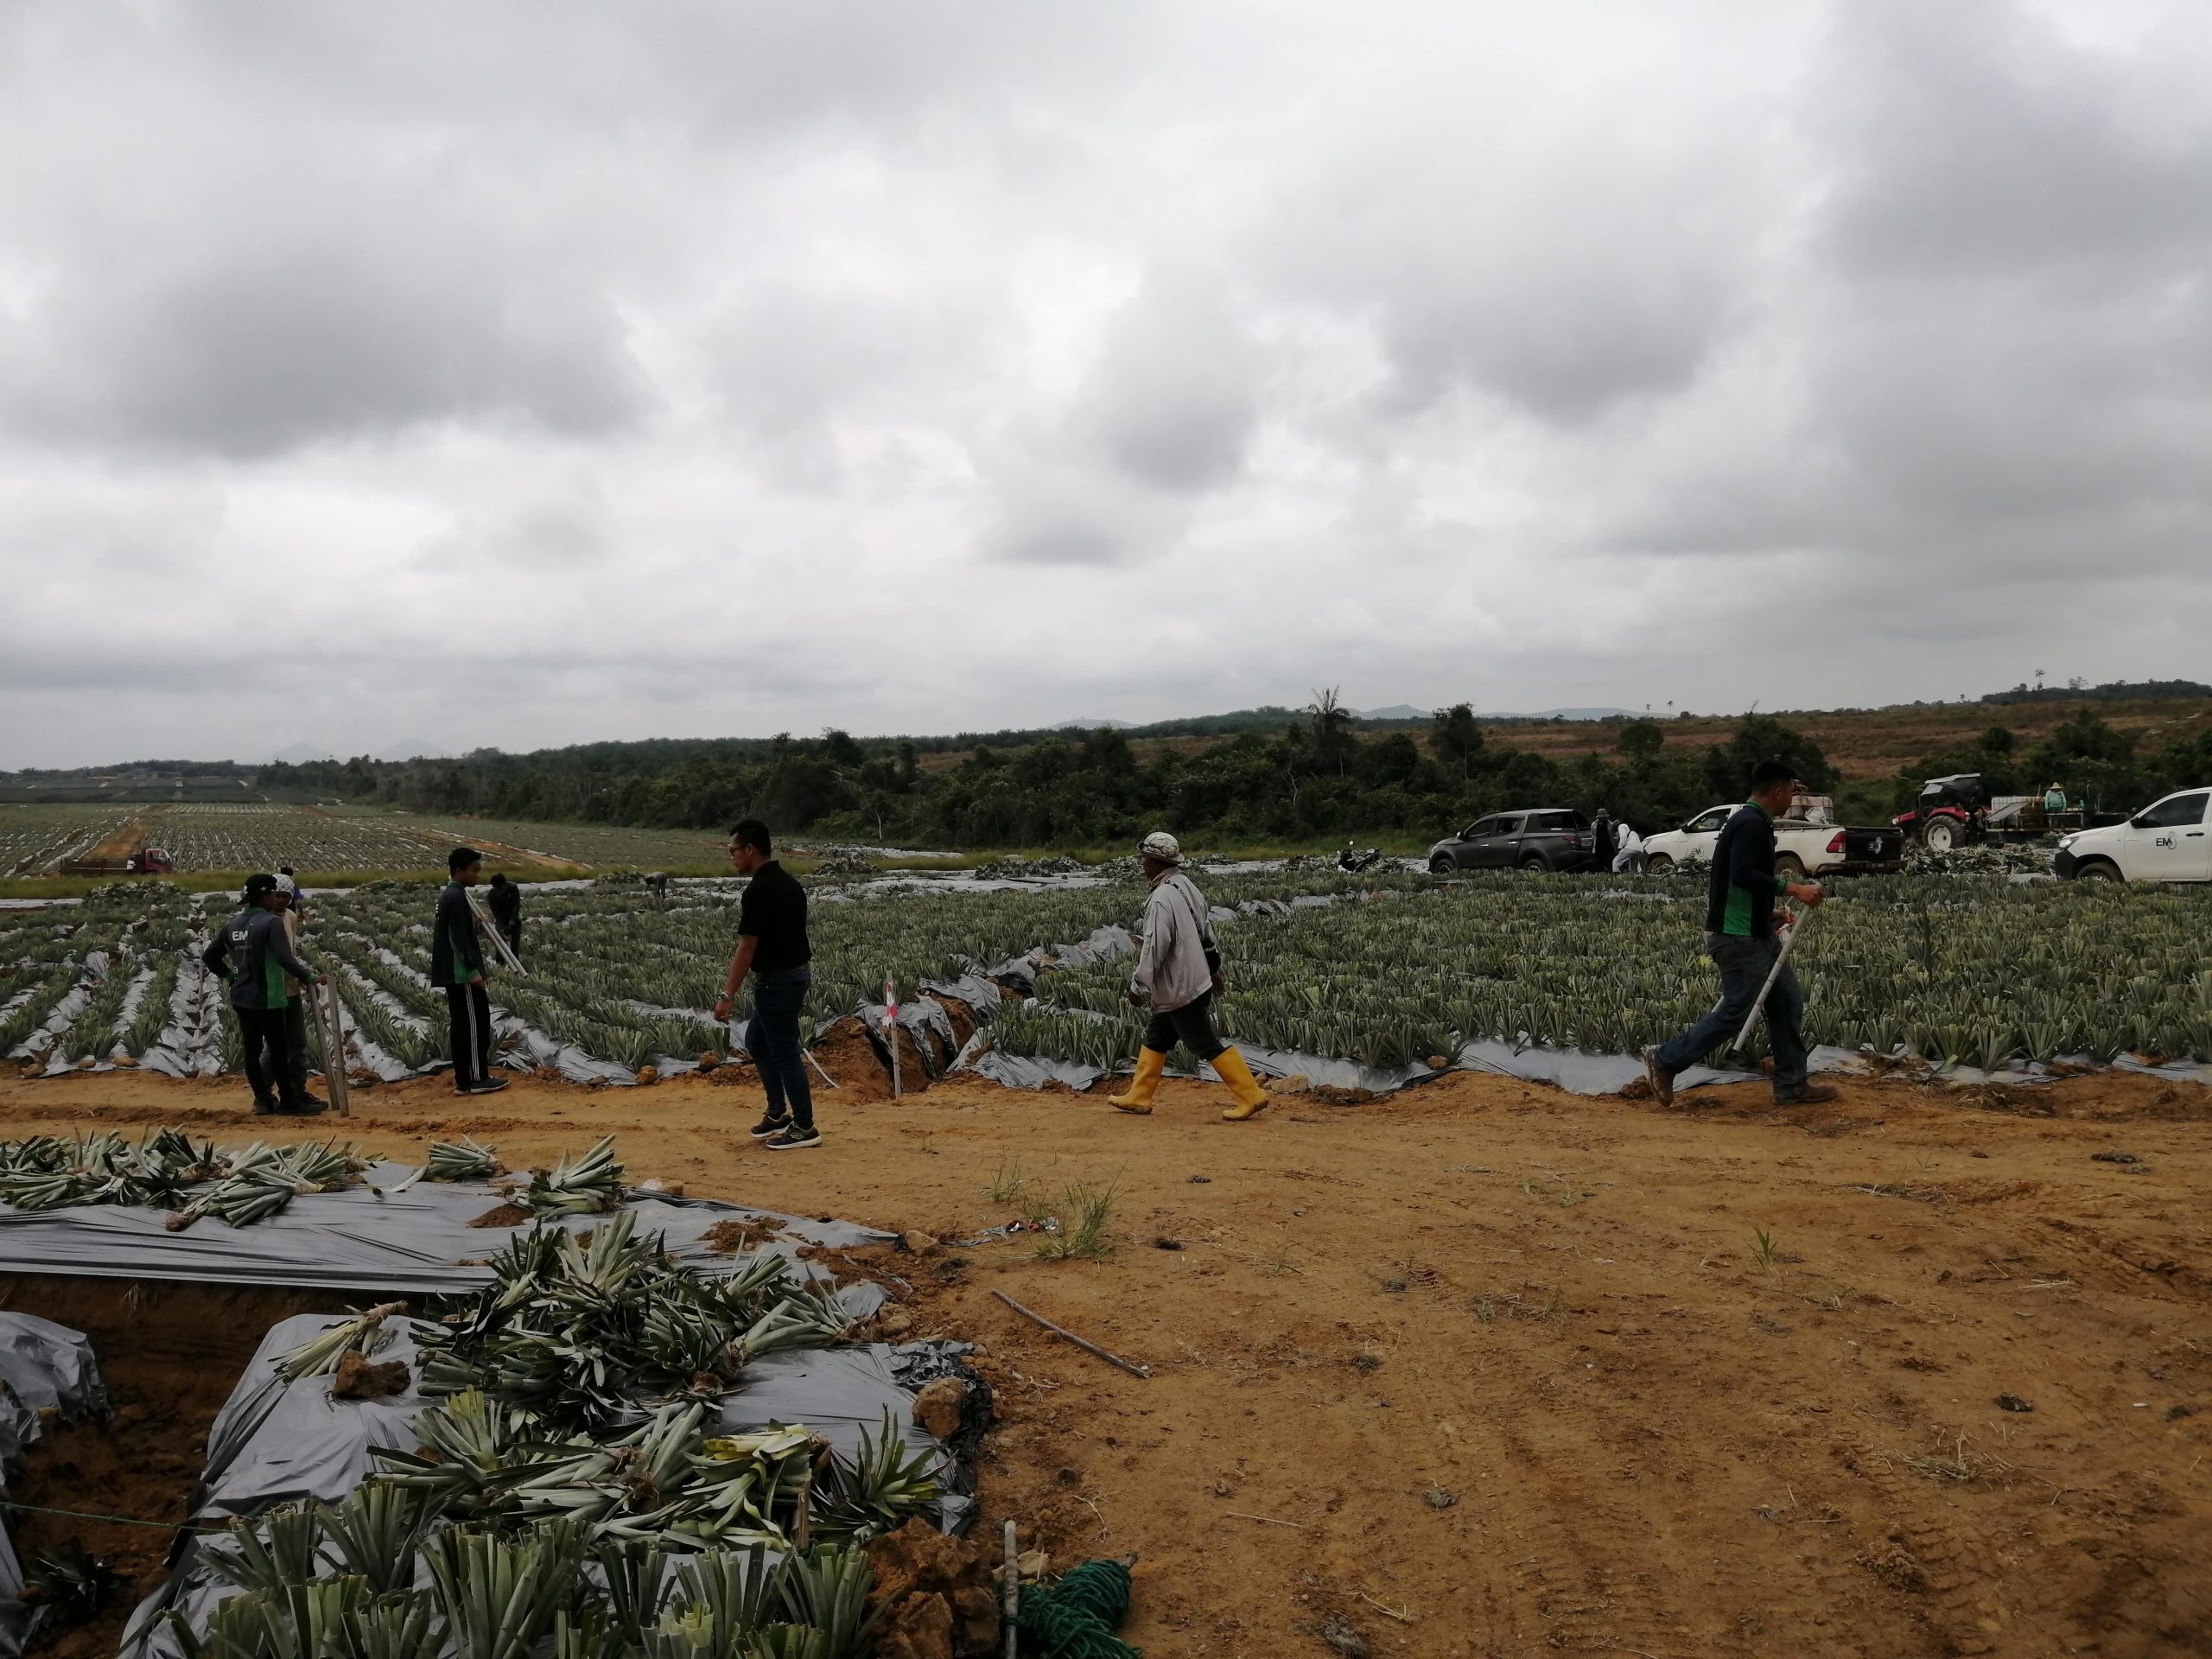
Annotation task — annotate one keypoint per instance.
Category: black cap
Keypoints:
(256, 885)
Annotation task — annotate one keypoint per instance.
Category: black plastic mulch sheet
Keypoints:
(417, 1240)
(279, 1442)
(44, 1367)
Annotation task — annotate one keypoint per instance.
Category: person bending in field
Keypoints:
(505, 901)
(1740, 937)
(457, 964)
(254, 952)
(772, 946)
(1178, 977)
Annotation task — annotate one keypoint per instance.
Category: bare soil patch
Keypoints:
(1486, 1369)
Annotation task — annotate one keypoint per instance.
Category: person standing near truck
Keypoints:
(254, 952)
(773, 946)
(1178, 977)
(1740, 937)
(504, 902)
(457, 965)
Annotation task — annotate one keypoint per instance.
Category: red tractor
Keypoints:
(1950, 812)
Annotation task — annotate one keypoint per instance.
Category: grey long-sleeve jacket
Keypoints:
(1180, 958)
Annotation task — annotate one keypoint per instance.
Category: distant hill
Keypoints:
(413, 748)
(1093, 725)
(1395, 711)
(301, 754)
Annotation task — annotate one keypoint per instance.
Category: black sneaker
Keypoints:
(308, 1107)
(489, 1086)
(773, 1124)
(264, 1106)
(792, 1138)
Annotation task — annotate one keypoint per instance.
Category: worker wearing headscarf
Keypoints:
(1178, 974)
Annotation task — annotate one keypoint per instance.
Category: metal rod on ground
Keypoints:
(1063, 1331)
(1011, 1591)
(1788, 938)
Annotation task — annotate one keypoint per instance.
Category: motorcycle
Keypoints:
(1353, 858)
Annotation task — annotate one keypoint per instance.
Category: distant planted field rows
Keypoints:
(38, 840)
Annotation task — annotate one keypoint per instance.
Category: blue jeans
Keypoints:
(772, 1040)
(1743, 965)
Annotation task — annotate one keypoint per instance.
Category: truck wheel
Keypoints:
(1658, 864)
(1789, 867)
(1443, 864)
(1533, 865)
(1939, 835)
(2097, 869)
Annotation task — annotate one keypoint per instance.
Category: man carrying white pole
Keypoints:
(1740, 936)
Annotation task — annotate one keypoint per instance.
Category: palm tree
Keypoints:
(1331, 728)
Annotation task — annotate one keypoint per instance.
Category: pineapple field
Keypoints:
(1401, 973)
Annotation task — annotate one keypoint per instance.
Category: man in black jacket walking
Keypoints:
(1739, 935)
(254, 950)
(457, 964)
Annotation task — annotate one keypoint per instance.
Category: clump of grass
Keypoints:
(1009, 1184)
(1085, 1206)
(1763, 1250)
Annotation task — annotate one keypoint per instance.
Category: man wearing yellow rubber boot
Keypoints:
(1177, 975)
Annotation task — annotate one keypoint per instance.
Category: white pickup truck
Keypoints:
(1801, 846)
(2168, 840)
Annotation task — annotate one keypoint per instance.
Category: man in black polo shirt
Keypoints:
(772, 946)
(1740, 937)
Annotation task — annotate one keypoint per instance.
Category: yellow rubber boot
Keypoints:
(1150, 1064)
(1250, 1098)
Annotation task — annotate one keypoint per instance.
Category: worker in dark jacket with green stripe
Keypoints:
(1740, 937)
(457, 964)
(254, 952)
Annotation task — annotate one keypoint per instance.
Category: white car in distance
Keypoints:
(1801, 846)
(2168, 840)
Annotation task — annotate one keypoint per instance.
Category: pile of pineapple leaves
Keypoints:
(572, 1493)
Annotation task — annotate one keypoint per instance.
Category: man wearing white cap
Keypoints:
(1177, 975)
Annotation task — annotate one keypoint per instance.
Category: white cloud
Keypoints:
(567, 373)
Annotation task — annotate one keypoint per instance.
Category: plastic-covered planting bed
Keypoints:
(760, 1475)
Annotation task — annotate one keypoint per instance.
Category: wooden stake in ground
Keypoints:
(331, 1014)
(1062, 1330)
(891, 1029)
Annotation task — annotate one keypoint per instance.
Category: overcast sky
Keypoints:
(537, 374)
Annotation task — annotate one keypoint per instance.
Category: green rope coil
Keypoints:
(1077, 1617)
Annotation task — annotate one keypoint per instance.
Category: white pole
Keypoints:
(1774, 973)
(491, 929)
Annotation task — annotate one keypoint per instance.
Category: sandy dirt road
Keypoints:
(1491, 1370)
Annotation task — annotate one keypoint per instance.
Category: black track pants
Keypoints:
(1192, 1024)
(261, 1029)
(469, 1023)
